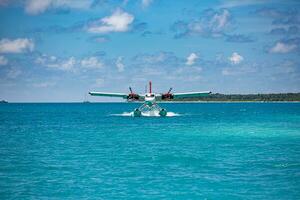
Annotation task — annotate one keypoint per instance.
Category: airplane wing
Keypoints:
(106, 94)
(191, 94)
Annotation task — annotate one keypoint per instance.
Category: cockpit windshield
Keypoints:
(149, 95)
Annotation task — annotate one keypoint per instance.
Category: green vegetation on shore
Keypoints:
(246, 97)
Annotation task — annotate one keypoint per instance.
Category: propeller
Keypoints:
(130, 90)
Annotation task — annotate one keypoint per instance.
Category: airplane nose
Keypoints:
(149, 103)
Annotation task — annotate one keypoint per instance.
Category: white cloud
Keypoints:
(53, 62)
(161, 57)
(40, 60)
(240, 69)
(44, 84)
(3, 60)
(156, 59)
(210, 24)
(69, 64)
(91, 63)
(220, 21)
(226, 72)
(101, 39)
(35, 7)
(239, 3)
(119, 21)
(45, 60)
(119, 64)
(16, 46)
(281, 47)
(146, 3)
(14, 73)
(186, 73)
(287, 67)
(236, 58)
(192, 70)
(99, 82)
(191, 59)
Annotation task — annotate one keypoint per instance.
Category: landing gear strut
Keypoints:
(137, 113)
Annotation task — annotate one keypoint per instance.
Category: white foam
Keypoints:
(147, 114)
(172, 114)
(124, 114)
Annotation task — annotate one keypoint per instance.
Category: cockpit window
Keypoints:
(149, 95)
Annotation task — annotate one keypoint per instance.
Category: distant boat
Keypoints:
(3, 101)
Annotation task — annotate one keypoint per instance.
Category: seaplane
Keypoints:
(150, 99)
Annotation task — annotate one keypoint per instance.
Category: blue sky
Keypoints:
(57, 50)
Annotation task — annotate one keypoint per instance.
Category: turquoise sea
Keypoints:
(96, 151)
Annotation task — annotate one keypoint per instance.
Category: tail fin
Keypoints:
(150, 87)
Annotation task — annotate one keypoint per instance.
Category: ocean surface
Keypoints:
(201, 151)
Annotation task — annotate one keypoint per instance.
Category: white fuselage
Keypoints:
(149, 99)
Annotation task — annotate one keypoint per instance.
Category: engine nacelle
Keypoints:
(167, 96)
(133, 97)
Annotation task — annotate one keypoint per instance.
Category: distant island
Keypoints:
(247, 97)
(3, 101)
